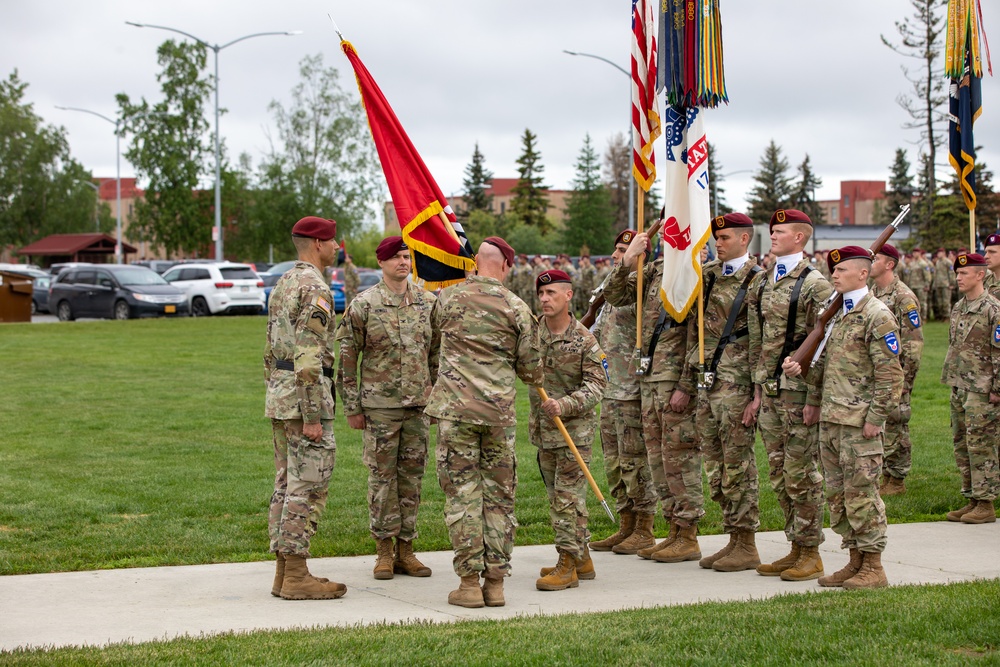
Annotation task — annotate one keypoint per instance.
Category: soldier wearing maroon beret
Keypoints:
(941, 286)
(992, 255)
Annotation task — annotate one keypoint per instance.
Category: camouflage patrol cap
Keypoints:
(312, 227)
(784, 216)
(551, 276)
(389, 247)
(992, 239)
(890, 251)
(969, 259)
(847, 252)
(731, 221)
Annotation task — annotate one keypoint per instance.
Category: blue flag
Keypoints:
(966, 102)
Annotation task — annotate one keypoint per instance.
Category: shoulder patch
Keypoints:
(892, 342)
(318, 319)
(914, 315)
(996, 334)
(607, 374)
(323, 304)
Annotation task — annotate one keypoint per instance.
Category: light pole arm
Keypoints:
(591, 55)
(259, 34)
(92, 113)
(163, 27)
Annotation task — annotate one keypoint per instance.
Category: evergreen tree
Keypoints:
(530, 201)
(804, 192)
(717, 193)
(476, 183)
(987, 201)
(618, 179)
(773, 189)
(588, 210)
(900, 190)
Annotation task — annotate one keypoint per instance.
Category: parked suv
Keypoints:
(115, 291)
(218, 287)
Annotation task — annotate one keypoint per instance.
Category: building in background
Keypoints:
(861, 203)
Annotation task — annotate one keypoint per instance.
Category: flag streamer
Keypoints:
(691, 61)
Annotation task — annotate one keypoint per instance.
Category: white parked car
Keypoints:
(218, 287)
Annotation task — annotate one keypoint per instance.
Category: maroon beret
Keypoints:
(552, 276)
(992, 239)
(389, 247)
(890, 251)
(787, 215)
(847, 252)
(312, 227)
(508, 252)
(731, 221)
(970, 259)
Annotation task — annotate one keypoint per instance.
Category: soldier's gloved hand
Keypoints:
(552, 407)
(810, 414)
(870, 431)
(357, 422)
(313, 431)
(679, 401)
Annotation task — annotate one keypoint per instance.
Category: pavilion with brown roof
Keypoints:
(56, 248)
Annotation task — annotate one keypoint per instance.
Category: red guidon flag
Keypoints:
(441, 253)
(645, 104)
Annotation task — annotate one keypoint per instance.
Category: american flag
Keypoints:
(645, 105)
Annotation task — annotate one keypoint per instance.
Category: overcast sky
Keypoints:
(814, 76)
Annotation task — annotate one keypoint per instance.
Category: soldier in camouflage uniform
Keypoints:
(298, 369)
(860, 380)
(351, 281)
(992, 255)
(522, 284)
(972, 370)
(585, 284)
(903, 303)
(387, 364)
(575, 377)
(666, 389)
(919, 275)
(487, 342)
(777, 328)
(625, 460)
(603, 269)
(941, 286)
(725, 418)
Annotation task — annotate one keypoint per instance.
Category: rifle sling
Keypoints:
(793, 313)
(728, 336)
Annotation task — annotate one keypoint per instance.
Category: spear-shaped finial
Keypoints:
(336, 27)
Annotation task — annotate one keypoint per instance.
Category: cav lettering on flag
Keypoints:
(687, 211)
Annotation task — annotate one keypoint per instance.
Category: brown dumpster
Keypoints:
(15, 297)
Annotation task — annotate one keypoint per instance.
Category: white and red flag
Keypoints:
(687, 212)
(645, 102)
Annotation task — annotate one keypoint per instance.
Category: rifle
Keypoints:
(804, 355)
(597, 296)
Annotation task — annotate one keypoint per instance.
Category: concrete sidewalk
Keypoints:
(142, 604)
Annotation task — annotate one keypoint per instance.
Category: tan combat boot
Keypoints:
(383, 560)
(641, 537)
(468, 594)
(406, 563)
(648, 552)
(279, 574)
(493, 592)
(777, 567)
(893, 487)
(744, 555)
(626, 524)
(871, 574)
(956, 515)
(840, 576)
(563, 576)
(982, 513)
(709, 561)
(298, 584)
(808, 566)
(885, 480)
(584, 567)
(684, 547)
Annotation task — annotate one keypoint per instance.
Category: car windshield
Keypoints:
(238, 273)
(139, 276)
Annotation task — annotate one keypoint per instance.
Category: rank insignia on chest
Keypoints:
(892, 342)
(914, 318)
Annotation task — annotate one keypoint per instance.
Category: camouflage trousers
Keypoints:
(674, 453)
(974, 426)
(625, 462)
(302, 470)
(793, 465)
(898, 447)
(728, 447)
(923, 294)
(478, 473)
(942, 303)
(395, 451)
(852, 466)
(567, 489)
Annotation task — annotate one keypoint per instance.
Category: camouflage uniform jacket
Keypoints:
(973, 361)
(942, 274)
(487, 342)
(734, 364)
(587, 281)
(858, 373)
(768, 307)
(390, 337)
(575, 375)
(615, 333)
(300, 327)
(351, 280)
(903, 304)
(919, 274)
(668, 363)
(992, 285)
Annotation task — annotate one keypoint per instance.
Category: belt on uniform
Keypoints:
(285, 365)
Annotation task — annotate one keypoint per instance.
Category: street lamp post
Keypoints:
(218, 169)
(631, 186)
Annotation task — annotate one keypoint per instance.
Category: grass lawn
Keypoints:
(143, 443)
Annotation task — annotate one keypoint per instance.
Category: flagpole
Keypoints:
(640, 296)
(450, 227)
(701, 322)
(972, 230)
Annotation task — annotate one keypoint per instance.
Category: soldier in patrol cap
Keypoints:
(859, 379)
(784, 303)
(388, 363)
(992, 255)
(972, 369)
(575, 374)
(298, 368)
(891, 291)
